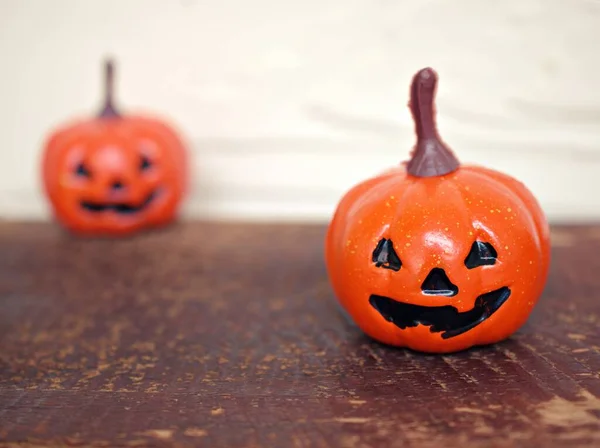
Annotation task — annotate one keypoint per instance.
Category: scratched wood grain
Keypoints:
(229, 335)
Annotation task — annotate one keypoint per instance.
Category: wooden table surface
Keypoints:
(229, 335)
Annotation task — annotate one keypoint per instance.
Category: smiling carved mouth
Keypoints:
(440, 318)
(122, 208)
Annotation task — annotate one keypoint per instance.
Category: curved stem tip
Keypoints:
(430, 157)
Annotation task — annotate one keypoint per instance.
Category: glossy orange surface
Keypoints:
(433, 222)
(114, 174)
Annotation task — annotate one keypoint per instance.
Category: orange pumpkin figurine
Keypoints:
(437, 256)
(114, 174)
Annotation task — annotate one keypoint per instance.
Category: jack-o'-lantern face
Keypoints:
(114, 174)
(436, 256)
(435, 274)
(440, 317)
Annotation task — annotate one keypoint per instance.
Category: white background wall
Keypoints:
(286, 104)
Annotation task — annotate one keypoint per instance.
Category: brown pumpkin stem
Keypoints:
(109, 110)
(430, 157)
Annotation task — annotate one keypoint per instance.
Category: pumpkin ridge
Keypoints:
(349, 203)
(396, 216)
(465, 210)
(384, 182)
(522, 192)
(486, 178)
(398, 206)
(519, 190)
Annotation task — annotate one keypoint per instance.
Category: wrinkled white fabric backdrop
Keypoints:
(286, 104)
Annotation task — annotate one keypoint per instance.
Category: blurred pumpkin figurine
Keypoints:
(114, 174)
(434, 255)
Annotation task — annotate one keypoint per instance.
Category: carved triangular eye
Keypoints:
(82, 171)
(145, 163)
(481, 254)
(384, 256)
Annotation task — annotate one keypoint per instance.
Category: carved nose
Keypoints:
(437, 283)
(117, 185)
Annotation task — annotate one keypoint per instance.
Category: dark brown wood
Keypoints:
(229, 335)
